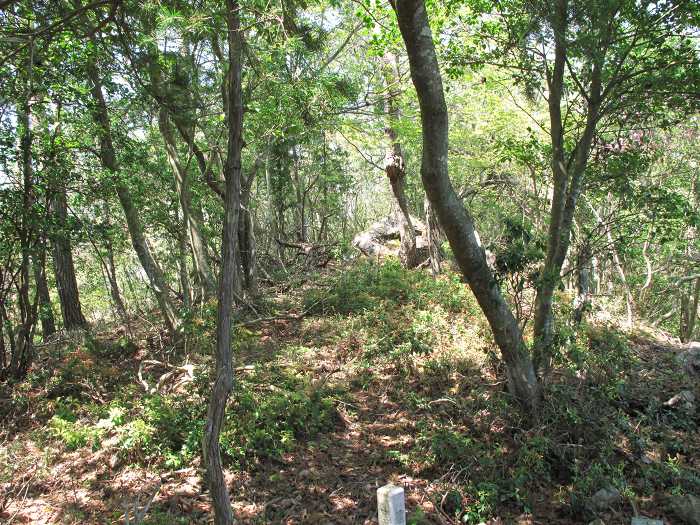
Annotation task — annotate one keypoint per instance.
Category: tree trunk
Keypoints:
(23, 349)
(48, 324)
(273, 223)
(689, 312)
(568, 180)
(66, 283)
(223, 513)
(432, 234)
(182, 249)
(111, 271)
(182, 186)
(395, 164)
(246, 237)
(583, 282)
(300, 195)
(629, 301)
(454, 218)
(136, 230)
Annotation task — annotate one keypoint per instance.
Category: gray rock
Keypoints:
(645, 521)
(684, 399)
(597, 522)
(605, 498)
(687, 508)
(690, 359)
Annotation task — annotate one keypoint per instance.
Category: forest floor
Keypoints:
(347, 381)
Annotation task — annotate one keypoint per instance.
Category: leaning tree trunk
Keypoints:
(395, 165)
(223, 513)
(64, 267)
(456, 221)
(192, 222)
(133, 221)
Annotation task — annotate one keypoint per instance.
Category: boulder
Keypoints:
(684, 400)
(383, 238)
(689, 359)
(605, 498)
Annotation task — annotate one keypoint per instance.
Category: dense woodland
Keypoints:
(260, 258)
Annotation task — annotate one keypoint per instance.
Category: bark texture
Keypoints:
(66, 282)
(454, 218)
(223, 384)
(395, 164)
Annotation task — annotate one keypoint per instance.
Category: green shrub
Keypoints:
(370, 286)
(73, 434)
(267, 422)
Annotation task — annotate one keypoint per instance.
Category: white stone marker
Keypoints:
(390, 502)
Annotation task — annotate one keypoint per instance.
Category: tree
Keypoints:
(454, 218)
(223, 382)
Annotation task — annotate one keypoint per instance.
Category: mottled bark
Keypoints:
(456, 221)
(395, 164)
(223, 384)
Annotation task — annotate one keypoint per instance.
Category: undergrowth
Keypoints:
(419, 342)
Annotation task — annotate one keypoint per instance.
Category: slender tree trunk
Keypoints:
(193, 225)
(454, 218)
(568, 180)
(223, 513)
(395, 164)
(300, 195)
(48, 324)
(583, 282)
(273, 223)
(112, 273)
(23, 349)
(64, 268)
(182, 248)
(432, 238)
(246, 237)
(689, 312)
(136, 230)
